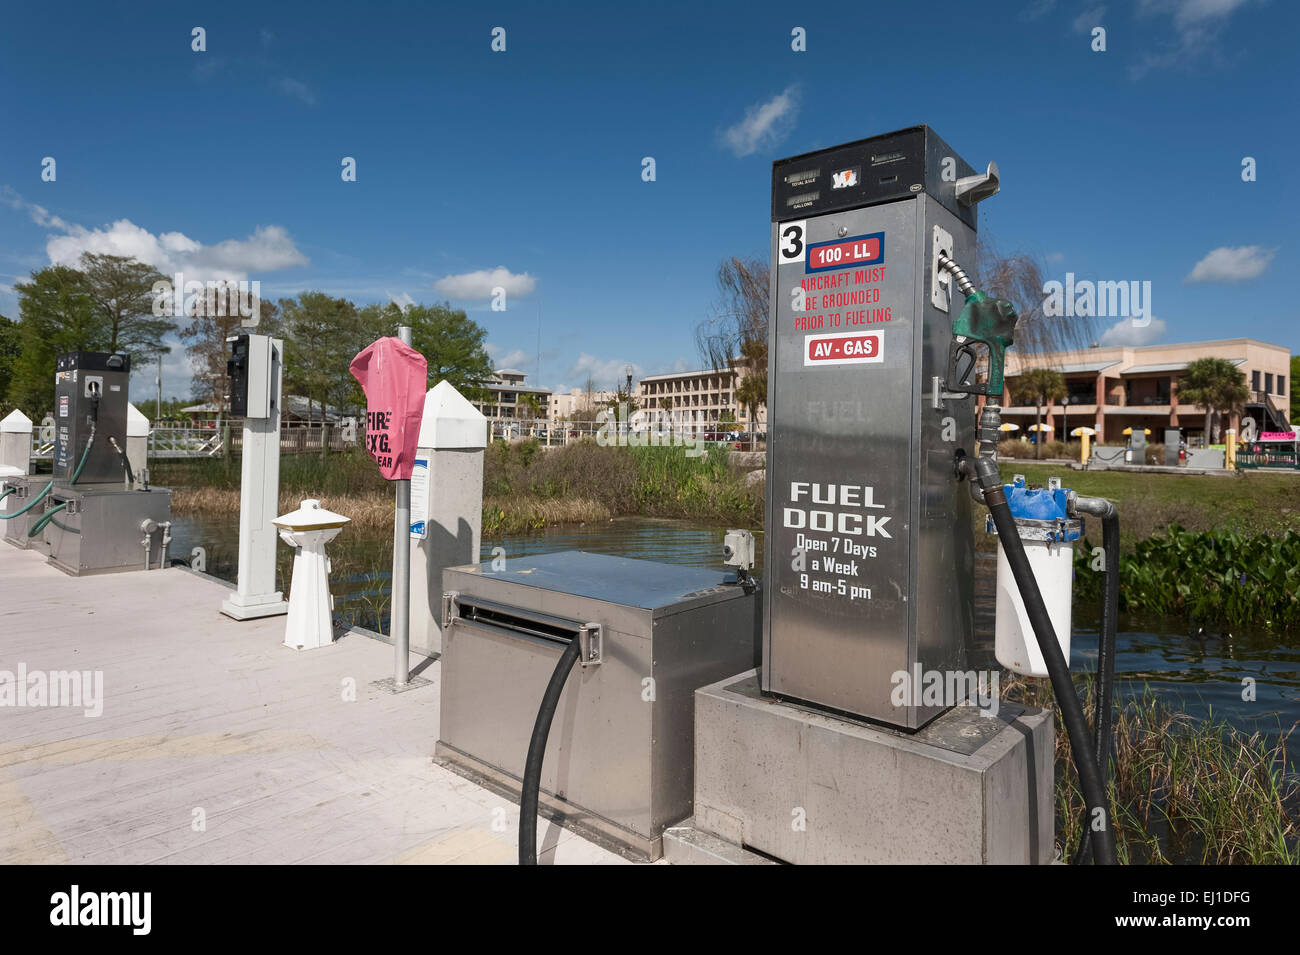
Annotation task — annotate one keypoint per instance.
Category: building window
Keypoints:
(1281, 385)
(1254, 380)
(1268, 382)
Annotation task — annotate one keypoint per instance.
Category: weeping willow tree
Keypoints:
(735, 333)
(1020, 278)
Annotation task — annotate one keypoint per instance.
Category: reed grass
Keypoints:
(1183, 790)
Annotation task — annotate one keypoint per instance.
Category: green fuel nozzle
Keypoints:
(985, 325)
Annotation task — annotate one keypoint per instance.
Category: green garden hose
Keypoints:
(46, 490)
(27, 507)
(84, 454)
(45, 519)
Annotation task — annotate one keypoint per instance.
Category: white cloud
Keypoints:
(401, 299)
(515, 358)
(294, 89)
(1196, 27)
(268, 249)
(606, 374)
(1088, 19)
(1127, 332)
(1232, 264)
(479, 286)
(1036, 10)
(765, 124)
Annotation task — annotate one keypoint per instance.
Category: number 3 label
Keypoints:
(790, 241)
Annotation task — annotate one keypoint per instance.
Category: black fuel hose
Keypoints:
(126, 462)
(537, 752)
(1076, 727)
(1103, 718)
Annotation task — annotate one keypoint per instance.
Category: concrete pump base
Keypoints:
(801, 786)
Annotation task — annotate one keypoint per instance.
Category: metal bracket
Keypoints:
(449, 607)
(973, 189)
(938, 393)
(940, 280)
(590, 643)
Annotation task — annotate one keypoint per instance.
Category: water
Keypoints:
(1196, 673)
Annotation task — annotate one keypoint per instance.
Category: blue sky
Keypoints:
(1116, 165)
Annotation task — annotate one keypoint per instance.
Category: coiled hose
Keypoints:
(537, 752)
(30, 504)
(46, 490)
(45, 519)
(1085, 756)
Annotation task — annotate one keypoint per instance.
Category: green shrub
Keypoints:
(1214, 579)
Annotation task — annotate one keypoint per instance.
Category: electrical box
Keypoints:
(90, 388)
(620, 754)
(253, 370)
(869, 551)
(101, 528)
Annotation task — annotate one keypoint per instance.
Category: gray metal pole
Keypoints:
(401, 609)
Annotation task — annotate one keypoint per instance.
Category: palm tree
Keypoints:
(1217, 385)
(1039, 387)
(531, 404)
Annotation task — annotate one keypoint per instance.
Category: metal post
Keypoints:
(401, 609)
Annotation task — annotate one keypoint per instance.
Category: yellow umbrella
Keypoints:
(1080, 432)
(1041, 427)
(1008, 426)
(1130, 431)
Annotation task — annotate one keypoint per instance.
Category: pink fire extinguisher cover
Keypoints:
(394, 377)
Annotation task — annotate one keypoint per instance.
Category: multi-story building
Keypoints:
(577, 401)
(697, 400)
(1111, 389)
(507, 396)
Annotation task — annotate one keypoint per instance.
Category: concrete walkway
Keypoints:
(216, 744)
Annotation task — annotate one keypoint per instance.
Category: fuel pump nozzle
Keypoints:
(984, 325)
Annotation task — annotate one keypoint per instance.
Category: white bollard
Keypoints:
(446, 505)
(16, 444)
(308, 530)
(137, 439)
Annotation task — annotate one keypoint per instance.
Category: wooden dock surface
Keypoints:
(217, 744)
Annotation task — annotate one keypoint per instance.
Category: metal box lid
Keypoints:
(645, 584)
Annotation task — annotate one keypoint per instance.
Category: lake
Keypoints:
(1196, 673)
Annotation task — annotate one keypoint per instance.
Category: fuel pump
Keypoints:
(879, 344)
(1036, 529)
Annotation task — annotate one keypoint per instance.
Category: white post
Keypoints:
(447, 505)
(137, 439)
(259, 494)
(400, 612)
(15, 444)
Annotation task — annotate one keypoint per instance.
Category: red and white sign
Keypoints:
(859, 250)
(843, 348)
(1277, 436)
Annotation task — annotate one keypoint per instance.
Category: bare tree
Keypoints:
(736, 331)
(1019, 278)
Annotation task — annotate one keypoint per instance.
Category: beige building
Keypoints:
(693, 400)
(1114, 388)
(577, 401)
(506, 396)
